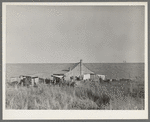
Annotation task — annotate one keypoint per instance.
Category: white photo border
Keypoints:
(73, 114)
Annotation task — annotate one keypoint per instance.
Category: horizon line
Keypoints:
(74, 62)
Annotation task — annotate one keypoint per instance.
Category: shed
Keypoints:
(78, 70)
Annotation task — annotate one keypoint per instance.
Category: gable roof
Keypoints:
(88, 71)
(72, 67)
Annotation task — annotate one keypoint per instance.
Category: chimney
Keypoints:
(81, 67)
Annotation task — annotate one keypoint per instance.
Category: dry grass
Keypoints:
(89, 95)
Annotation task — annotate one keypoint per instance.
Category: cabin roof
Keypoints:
(64, 71)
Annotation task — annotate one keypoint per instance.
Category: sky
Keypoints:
(66, 34)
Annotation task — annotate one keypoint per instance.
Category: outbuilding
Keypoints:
(77, 71)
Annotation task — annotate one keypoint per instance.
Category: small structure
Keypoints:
(25, 80)
(58, 78)
(103, 77)
(30, 80)
(34, 80)
(77, 71)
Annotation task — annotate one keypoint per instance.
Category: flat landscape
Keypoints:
(111, 70)
(89, 95)
(72, 56)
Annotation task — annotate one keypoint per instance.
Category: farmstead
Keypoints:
(78, 71)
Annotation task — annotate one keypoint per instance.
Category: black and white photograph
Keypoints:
(62, 58)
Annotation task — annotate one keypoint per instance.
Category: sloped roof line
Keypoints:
(88, 69)
(64, 72)
(82, 64)
(74, 66)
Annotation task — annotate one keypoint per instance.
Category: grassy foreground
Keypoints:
(87, 96)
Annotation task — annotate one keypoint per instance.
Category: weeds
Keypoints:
(89, 95)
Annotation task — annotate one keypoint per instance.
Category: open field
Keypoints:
(116, 95)
(86, 96)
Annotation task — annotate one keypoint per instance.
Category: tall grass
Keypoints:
(88, 95)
